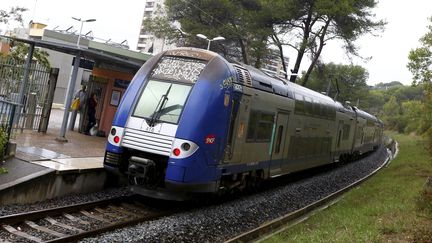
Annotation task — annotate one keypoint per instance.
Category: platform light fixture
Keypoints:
(218, 38)
(82, 23)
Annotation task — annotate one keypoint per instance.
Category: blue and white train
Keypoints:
(192, 122)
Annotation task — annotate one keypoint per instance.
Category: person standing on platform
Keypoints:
(81, 95)
(91, 112)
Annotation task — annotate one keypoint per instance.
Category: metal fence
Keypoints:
(34, 93)
(7, 116)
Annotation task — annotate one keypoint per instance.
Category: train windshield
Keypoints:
(162, 101)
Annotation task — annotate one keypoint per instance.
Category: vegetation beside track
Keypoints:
(393, 206)
(3, 142)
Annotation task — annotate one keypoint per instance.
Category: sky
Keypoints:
(120, 20)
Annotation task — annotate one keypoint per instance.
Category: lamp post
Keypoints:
(82, 23)
(209, 41)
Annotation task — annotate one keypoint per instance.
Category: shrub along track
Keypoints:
(299, 215)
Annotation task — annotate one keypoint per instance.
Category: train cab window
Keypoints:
(162, 101)
(260, 127)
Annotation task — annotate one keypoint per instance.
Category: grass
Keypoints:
(393, 206)
(3, 170)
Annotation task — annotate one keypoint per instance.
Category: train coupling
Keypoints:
(140, 170)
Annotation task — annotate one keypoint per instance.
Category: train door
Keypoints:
(236, 135)
(277, 150)
(339, 144)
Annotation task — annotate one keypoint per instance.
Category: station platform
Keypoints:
(47, 168)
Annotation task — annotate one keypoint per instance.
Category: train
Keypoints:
(193, 123)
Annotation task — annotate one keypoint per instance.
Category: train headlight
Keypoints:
(182, 148)
(186, 146)
(115, 135)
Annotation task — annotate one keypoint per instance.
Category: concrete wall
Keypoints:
(53, 185)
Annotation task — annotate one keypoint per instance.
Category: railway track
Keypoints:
(267, 229)
(71, 223)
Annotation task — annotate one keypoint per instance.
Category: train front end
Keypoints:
(170, 130)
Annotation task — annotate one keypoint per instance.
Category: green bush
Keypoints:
(3, 141)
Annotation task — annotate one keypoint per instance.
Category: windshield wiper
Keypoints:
(161, 104)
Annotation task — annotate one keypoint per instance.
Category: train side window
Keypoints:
(252, 125)
(339, 138)
(265, 127)
(260, 127)
(278, 139)
(299, 104)
(308, 106)
(346, 131)
(233, 119)
(317, 108)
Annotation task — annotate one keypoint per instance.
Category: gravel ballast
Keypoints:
(223, 221)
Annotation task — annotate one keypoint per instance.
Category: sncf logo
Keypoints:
(210, 139)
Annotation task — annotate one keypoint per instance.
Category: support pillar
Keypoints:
(69, 96)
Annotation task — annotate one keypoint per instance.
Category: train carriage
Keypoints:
(192, 122)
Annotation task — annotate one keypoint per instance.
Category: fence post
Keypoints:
(31, 110)
(46, 110)
(11, 120)
(26, 73)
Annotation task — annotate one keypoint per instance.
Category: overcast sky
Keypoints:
(120, 20)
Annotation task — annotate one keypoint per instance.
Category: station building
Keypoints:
(108, 79)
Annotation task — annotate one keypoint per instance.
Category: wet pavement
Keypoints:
(32, 145)
(38, 154)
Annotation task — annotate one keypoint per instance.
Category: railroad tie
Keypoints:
(75, 219)
(64, 226)
(123, 211)
(131, 207)
(14, 231)
(99, 218)
(44, 229)
(110, 214)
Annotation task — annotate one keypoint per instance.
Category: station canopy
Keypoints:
(97, 55)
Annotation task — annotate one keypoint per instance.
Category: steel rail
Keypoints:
(110, 227)
(34, 215)
(105, 226)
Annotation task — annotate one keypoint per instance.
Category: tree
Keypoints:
(14, 14)
(350, 79)
(250, 27)
(412, 111)
(319, 21)
(246, 26)
(20, 50)
(392, 115)
(420, 65)
(420, 59)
